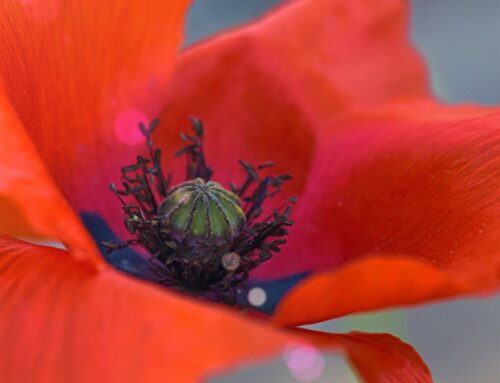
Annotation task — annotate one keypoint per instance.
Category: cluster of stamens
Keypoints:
(201, 238)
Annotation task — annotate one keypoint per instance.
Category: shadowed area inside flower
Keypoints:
(437, 248)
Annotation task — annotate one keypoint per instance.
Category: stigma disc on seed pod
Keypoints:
(197, 210)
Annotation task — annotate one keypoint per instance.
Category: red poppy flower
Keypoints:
(398, 195)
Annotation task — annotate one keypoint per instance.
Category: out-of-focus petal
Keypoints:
(377, 358)
(416, 181)
(265, 90)
(64, 321)
(31, 205)
(81, 75)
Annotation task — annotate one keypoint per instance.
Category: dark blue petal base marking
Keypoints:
(126, 259)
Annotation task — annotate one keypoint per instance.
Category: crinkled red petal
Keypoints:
(80, 76)
(31, 205)
(415, 187)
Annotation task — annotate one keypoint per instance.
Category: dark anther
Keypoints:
(196, 166)
(201, 238)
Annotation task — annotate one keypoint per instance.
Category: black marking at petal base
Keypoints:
(124, 259)
(275, 290)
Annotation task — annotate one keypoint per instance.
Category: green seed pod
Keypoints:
(195, 210)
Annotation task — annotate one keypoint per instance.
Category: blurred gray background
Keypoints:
(460, 341)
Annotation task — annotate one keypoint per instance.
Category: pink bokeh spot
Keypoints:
(42, 11)
(126, 126)
(305, 363)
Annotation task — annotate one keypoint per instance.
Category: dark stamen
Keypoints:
(196, 166)
(210, 266)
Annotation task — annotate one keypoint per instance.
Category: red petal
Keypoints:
(64, 321)
(80, 74)
(30, 203)
(368, 284)
(263, 89)
(378, 358)
(418, 182)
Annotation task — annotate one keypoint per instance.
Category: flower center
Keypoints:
(199, 211)
(200, 237)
